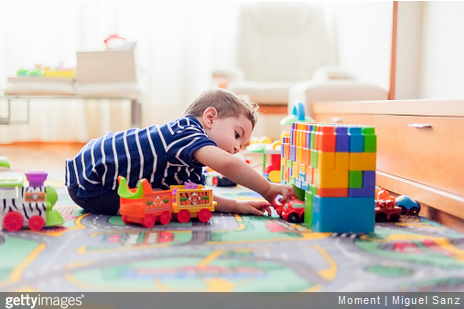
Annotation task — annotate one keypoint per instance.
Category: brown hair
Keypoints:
(226, 104)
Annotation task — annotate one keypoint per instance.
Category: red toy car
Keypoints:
(385, 210)
(292, 211)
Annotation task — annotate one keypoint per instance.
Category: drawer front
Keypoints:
(428, 150)
(344, 118)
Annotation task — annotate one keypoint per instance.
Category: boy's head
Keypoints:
(226, 104)
(228, 119)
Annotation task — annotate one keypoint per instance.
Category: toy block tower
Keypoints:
(332, 168)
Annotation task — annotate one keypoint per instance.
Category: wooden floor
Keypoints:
(39, 156)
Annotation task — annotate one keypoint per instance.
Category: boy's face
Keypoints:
(230, 133)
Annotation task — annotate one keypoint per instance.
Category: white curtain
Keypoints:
(178, 45)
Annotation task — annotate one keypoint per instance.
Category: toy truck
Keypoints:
(144, 206)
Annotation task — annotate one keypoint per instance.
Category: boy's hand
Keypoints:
(256, 208)
(275, 189)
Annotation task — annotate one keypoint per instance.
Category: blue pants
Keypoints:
(107, 203)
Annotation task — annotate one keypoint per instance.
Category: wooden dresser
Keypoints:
(420, 149)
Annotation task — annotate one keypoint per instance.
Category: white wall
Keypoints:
(430, 61)
(363, 31)
(442, 63)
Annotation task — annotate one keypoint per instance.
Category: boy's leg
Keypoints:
(107, 203)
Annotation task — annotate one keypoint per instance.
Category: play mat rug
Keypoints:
(228, 253)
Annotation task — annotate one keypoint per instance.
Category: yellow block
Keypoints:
(283, 162)
(342, 160)
(326, 161)
(295, 169)
(362, 161)
(302, 169)
(299, 154)
(330, 179)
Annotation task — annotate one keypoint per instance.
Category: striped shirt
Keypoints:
(161, 154)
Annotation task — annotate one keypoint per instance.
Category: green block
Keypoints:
(308, 216)
(313, 137)
(370, 139)
(291, 180)
(300, 193)
(313, 189)
(290, 163)
(282, 172)
(355, 179)
(314, 158)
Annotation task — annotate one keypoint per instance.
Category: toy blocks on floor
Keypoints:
(334, 165)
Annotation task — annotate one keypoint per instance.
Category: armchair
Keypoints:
(279, 45)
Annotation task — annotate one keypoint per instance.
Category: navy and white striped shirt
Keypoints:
(161, 154)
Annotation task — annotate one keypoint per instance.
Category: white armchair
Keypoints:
(279, 45)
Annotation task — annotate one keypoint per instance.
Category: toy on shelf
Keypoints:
(408, 205)
(268, 148)
(298, 115)
(27, 206)
(144, 206)
(4, 163)
(332, 168)
(216, 179)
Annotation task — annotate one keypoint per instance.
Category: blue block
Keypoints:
(308, 139)
(298, 183)
(292, 152)
(356, 139)
(361, 192)
(305, 186)
(368, 179)
(343, 214)
(342, 139)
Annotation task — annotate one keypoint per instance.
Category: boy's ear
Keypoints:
(209, 115)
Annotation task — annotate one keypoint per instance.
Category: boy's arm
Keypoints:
(229, 205)
(240, 172)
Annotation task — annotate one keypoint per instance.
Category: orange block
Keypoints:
(326, 138)
(306, 156)
(332, 192)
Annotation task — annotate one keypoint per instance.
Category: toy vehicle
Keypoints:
(385, 210)
(144, 206)
(27, 206)
(292, 211)
(408, 205)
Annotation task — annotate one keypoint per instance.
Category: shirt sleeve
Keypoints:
(188, 140)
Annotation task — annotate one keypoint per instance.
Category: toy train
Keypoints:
(27, 206)
(144, 206)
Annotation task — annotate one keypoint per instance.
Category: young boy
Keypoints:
(214, 127)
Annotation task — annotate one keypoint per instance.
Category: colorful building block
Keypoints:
(334, 165)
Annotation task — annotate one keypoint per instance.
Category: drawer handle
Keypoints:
(420, 125)
(336, 119)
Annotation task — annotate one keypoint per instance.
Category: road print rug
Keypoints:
(228, 253)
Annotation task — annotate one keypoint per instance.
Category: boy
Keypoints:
(214, 127)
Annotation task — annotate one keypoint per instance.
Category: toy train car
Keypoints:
(144, 206)
(27, 206)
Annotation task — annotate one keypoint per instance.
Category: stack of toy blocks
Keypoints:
(332, 168)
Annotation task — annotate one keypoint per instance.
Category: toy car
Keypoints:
(385, 210)
(408, 205)
(292, 211)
